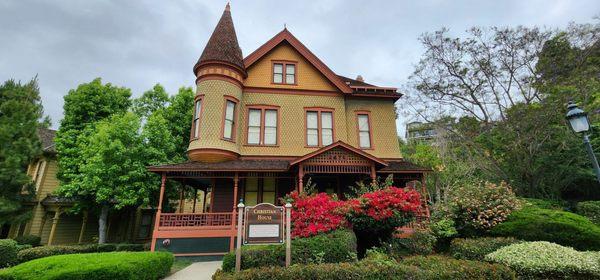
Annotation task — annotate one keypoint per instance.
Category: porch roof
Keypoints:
(248, 165)
(403, 166)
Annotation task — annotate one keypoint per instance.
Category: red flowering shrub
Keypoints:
(376, 215)
(317, 213)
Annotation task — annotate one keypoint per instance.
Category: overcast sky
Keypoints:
(137, 44)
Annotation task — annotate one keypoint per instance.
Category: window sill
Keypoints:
(257, 145)
(283, 84)
(228, 140)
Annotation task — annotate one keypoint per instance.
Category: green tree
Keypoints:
(114, 158)
(178, 115)
(151, 101)
(21, 115)
(89, 103)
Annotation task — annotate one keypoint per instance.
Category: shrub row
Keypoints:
(418, 268)
(536, 224)
(336, 246)
(32, 240)
(94, 266)
(545, 260)
(46, 251)
(477, 248)
(418, 243)
(590, 210)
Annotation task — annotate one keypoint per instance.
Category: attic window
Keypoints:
(284, 72)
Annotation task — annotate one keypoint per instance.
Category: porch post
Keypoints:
(54, 225)
(300, 175)
(181, 199)
(235, 190)
(83, 225)
(373, 174)
(195, 198)
(44, 218)
(158, 210)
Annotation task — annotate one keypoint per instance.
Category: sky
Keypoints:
(137, 44)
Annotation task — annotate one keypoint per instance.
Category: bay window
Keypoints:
(319, 127)
(263, 125)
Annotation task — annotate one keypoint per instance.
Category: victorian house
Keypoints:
(264, 125)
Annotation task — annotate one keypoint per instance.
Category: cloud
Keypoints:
(137, 44)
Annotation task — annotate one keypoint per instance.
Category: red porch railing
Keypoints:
(195, 221)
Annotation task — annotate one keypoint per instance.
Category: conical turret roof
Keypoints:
(223, 44)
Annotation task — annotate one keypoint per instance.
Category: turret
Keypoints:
(216, 132)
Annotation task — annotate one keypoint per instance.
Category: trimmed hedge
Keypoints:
(565, 228)
(46, 251)
(336, 246)
(423, 268)
(545, 260)
(8, 252)
(477, 248)
(590, 210)
(95, 266)
(418, 243)
(32, 240)
(546, 203)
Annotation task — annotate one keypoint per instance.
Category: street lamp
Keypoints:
(579, 122)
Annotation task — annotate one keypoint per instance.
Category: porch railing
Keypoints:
(182, 221)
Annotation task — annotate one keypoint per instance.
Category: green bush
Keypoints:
(130, 247)
(378, 267)
(441, 267)
(8, 252)
(94, 266)
(546, 203)
(106, 247)
(590, 210)
(418, 243)
(477, 248)
(565, 228)
(32, 240)
(545, 260)
(336, 246)
(23, 247)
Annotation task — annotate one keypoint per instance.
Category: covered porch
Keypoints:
(210, 230)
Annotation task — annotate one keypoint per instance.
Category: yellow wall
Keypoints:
(383, 126)
(260, 73)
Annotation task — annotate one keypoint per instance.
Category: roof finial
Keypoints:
(284, 25)
(227, 8)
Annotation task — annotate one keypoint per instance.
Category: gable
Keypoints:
(308, 77)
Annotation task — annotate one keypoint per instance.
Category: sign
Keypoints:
(263, 224)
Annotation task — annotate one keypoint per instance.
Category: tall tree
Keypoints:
(151, 101)
(89, 103)
(21, 115)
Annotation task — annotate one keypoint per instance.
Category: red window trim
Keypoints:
(235, 118)
(368, 113)
(262, 108)
(283, 79)
(198, 97)
(319, 110)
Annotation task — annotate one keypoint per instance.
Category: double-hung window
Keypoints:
(229, 119)
(260, 190)
(284, 73)
(263, 124)
(319, 127)
(196, 121)
(364, 131)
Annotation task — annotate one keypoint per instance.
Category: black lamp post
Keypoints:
(580, 123)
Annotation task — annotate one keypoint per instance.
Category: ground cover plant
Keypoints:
(590, 210)
(536, 224)
(545, 260)
(94, 266)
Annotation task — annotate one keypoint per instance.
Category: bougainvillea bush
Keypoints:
(317, 213)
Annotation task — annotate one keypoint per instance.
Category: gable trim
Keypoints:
(285, 35)
(339, 144)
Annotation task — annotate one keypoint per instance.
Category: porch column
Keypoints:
(83, 225)
(158, 210)
(373, 174)
(54, 224)
(300, 175)
(235, 190)
(195, 199)
(44, 218)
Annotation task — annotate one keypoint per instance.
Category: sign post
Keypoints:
(263, 224)
(238, 249)
(288, 235)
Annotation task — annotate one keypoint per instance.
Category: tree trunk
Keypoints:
(102, 221)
